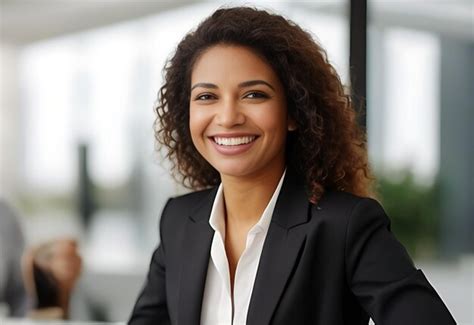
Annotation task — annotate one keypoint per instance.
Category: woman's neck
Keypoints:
(247, 197)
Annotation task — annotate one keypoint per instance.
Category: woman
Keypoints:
(286, 232)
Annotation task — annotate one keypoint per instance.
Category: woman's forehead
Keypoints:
(231, 63)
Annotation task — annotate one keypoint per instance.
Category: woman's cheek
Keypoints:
(197, 125)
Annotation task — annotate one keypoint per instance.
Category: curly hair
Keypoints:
(328, 147)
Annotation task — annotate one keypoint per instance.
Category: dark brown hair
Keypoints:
(327, 148)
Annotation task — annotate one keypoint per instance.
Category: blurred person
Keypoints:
(38, 281)
(51, 271)
(12, 289)
(284, 227)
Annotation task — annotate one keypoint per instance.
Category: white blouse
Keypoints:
(217, 306)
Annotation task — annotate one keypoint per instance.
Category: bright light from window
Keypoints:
(412, 102)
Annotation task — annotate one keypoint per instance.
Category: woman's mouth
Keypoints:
(233, 145)
(234, 141)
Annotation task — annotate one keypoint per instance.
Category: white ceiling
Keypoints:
(26, 21)
(454, 18)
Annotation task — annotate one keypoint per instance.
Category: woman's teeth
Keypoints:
(234, 141)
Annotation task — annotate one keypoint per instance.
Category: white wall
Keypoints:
(10, 121)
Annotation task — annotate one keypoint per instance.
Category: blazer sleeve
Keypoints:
(383, 277)
(150, 307)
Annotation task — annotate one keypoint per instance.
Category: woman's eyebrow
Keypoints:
(244, 84)
(204, 85)
(255, 82)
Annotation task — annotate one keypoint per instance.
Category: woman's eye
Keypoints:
(205, 97)
(251, 95)
(255, 94)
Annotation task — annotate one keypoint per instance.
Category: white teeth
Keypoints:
(234, 141)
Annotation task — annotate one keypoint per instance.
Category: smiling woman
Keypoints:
(284, 230)
(314, 96)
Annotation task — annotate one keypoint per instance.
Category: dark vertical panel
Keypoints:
(456, 170)
(358, 57)
(85, 191)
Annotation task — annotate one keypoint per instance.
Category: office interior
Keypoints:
(79, 81)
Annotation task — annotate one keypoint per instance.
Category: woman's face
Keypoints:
(238, 114)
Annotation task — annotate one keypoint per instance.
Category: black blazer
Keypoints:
(328, 264)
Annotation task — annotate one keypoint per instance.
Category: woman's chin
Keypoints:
(234, 170)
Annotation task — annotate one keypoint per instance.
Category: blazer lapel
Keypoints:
(281, 249)
(194, 262)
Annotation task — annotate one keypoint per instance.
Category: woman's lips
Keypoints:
(232, 149)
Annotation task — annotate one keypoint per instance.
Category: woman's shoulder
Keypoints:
(338, 198)
(192, 199)
(179, 208)
(344, 207)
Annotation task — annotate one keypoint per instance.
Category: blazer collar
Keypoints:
(285, 239)
(279, 255)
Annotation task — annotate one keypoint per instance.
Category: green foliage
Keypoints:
(414, 211)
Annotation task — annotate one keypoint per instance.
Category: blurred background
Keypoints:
(77, 156)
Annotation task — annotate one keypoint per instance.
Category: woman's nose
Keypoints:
(229, 114)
